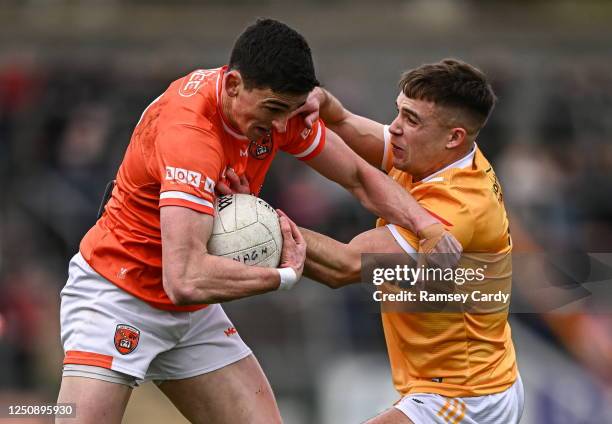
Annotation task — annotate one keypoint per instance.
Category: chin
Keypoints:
(250, 134)
(400, 165)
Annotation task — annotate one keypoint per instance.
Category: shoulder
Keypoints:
(188, 123)
(199, 81)
(192, 98)
(444, 198)
(448, 204)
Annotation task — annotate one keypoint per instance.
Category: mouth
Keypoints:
(261, 130)
(396, 148)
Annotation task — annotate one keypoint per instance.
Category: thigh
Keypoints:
(390, 416)
(95, 401)
(236, 393)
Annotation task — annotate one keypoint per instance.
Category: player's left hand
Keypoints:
(438, 247)
(310, 109)
(294, 246)
(237, 184)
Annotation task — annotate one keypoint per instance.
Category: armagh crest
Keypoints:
(262, 148)
(126, 338)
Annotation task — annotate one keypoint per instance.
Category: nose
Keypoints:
(280, 124)
(395, 128)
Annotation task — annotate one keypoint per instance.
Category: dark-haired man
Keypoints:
(126, 318)
(448, 367)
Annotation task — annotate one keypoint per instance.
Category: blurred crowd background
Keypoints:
(76, 75)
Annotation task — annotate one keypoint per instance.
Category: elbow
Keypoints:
(185, 286)
(333, 281)
(179, 294)
(349, 273)
(336, 282)
(183, 294)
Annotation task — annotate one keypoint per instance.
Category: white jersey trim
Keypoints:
(312, 146)
(402, 241)
(464, 162)
(185, 196)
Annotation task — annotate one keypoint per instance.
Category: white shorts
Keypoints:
(104, 326)
(427, 408)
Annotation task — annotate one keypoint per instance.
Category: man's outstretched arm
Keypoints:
(376, 191)
(338, 264)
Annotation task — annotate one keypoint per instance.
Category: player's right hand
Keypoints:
(294, 246)
(438, 247)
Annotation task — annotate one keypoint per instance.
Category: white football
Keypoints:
(246, 229)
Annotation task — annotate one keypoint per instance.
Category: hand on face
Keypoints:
(255, 112)
(310, 109)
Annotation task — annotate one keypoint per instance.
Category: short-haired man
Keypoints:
(455, 367)
(135, 306)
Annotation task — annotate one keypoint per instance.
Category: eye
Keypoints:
(411, 119)
(273, 109)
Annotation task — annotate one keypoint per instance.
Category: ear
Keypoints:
(456, 137)
(233, 83)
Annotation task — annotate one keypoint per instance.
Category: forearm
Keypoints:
(330, 262)
(387, 199)
(214, 279)
(374, 189)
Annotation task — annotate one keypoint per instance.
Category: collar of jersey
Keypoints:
(464, 162)
(226, 126)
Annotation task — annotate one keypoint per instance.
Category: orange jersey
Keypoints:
(180, 149)
(455, 354)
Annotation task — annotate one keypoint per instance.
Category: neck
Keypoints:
(226, 108)
(452, 157)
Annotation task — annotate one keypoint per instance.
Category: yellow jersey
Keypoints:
(454, 354)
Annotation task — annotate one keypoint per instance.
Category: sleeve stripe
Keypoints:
(387, 138)
(312, 146)
(402, 241)
(185, 196)
(186, 204)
